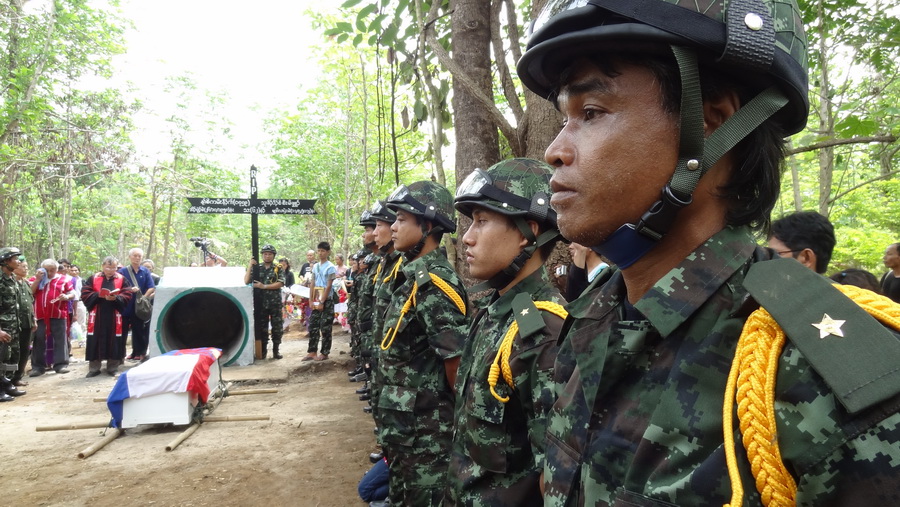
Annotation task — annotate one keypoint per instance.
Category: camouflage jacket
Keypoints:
(9, 303)
(640, 420)
(365, 305)
(385, 281)
(270, 298)
(498, 448)
(416, 401)
(26, 306)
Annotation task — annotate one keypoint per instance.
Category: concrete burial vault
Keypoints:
(204, 307)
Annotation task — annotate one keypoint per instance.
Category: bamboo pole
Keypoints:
(253, 391)
(111, 435)
(233, 418)
(75, 426)
(182, 437)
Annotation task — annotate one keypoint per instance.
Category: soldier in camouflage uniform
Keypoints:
(498, 441)
(9, 322)
(424, 332)
(27, 322)
(385, 279)
(656, 359)
(363, 288)
(352, 301)
(267, 301)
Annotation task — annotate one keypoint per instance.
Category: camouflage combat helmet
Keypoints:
(366, 219)
(381, 212)
(520, 189)
(269, 248)
(514, 187)
(9, 252)
(760, 43)
(426, 199)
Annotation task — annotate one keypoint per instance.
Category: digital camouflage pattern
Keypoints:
(384, 281)
(269, 304)
(519, 176)
(10, 298)
(498, 448)
(416, 402)
(639, 421)
(26, 324)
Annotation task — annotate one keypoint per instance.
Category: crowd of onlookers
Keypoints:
(57, 308)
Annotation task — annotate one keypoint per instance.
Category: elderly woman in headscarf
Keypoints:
(105, 296)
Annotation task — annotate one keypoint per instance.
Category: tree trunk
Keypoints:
(476, 132)
(826, 118)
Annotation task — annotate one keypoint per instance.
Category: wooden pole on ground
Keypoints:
(76, 426)
(253, 391)
(182, 437)
(111, 435)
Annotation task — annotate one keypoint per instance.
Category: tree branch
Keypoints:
(509, 88)
(457, 72)
(867, 182)
(838, 142)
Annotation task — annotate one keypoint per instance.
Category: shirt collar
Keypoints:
(531, 284)
(681, 291)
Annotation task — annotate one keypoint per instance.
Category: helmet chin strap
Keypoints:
(414, 252)
(509, 273)
(696, 156)
(384, 249)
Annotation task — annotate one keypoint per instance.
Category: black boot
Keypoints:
(8, 388)
(265, 349)
(275, 354)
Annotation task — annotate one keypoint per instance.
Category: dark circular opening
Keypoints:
(203, 319)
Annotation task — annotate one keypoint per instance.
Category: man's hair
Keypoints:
(110, 259)
(135, 249)
(49, 262)
(324, 246)
(63, 261)
(754, 184)
(895, 246)
(859, 278)
(807, 229)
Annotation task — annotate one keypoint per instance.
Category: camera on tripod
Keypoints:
(200, 242)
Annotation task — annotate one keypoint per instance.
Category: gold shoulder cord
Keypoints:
(377, 272)
(501, 362)
(445, 287)
(752, 375)
(394, 270)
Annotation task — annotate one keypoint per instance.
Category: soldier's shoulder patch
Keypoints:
(855, 355)
(527, 315)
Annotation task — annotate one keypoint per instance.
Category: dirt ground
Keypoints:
(312, 451)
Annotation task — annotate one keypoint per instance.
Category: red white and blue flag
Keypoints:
(177, 371)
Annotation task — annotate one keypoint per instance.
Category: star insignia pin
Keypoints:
(829, 326)
(524, 311)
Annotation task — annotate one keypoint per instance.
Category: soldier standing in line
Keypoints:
(9, 322)
(387, 276)
(267, 301)
(706, 370)
(505, 380)
(423, 337)
(27, 322)
(363, 289)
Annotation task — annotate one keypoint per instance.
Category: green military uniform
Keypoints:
(385, 282)
(498, 448)
(416, 402)
(269, 306)
(650, 380)
(26, 325)
(363, 287)
(10, 318)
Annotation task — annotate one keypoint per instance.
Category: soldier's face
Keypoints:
(492, 242)
(617, 149)
(382, 233)
(268, 257)
(368, 235)
(406, 231)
